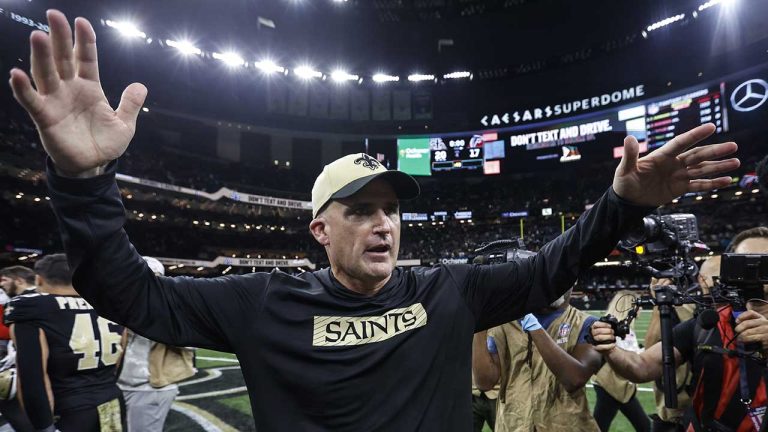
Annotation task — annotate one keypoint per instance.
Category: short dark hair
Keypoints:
(19, 272)
(54, 269)
(756, 232)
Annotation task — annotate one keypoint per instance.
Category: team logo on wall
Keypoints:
(570, 154)
(749, 95)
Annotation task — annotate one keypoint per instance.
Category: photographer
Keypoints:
(612, 392)
(542, 364)
(729, 391)
(670, 419)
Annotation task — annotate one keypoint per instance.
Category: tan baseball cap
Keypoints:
(347, 175)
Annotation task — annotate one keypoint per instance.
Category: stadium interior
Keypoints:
(509, 113)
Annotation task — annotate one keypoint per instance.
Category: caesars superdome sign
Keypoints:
(566, 108)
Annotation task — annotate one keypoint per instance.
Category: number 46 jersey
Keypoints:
(83, 347)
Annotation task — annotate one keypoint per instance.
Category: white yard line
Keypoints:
(213, 393)
(221, 359)
(203, 418)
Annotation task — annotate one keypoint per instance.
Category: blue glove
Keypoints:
(530, 323)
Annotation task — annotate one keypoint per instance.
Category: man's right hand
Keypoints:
(605, 340)
(78, 128)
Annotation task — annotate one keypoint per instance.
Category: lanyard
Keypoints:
(755, 414)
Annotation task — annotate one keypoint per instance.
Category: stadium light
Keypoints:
(711, 3)
(665, 22)
(307, 72)
(126, 28)
(458, 75)
(269, 67)
(341, 76)
(382, 78)
(184, 47)
(420, 77)
(230, 58)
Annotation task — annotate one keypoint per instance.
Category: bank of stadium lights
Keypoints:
(341, 76)
(711, 3)
(663, 23)
(458, 75)
(307, 72)
(383, 78)
(420, 77)
(184, 47)
(230, 58)
(126, 29)
(269, 67)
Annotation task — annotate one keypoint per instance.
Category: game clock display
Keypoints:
(456, 153)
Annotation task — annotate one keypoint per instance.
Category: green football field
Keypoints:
(216, 400)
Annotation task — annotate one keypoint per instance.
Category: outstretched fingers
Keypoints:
(684, 141)
(25, 93)
(629, 158)
(705, 185)
(43, 66)
(130, 104)
(61, 38)
(86, 57)
(710, 168)
(707, 153)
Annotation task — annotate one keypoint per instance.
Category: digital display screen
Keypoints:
(569, 141)
(413, 156)
(451, 154)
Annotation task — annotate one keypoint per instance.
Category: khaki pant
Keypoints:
(147, 410)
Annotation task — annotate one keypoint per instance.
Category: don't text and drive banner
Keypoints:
(221, 193)
(240, 262)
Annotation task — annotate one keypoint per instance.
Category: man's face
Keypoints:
(9, 285)
(361, 234)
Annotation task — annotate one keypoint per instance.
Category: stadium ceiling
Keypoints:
(416, 39)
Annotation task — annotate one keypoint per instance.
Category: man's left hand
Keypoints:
(673, 169)
(752, 327)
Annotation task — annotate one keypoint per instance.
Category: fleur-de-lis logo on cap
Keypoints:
(367, 162)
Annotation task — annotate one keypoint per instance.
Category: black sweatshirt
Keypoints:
(316, 356)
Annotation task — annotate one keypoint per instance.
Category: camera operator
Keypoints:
(613, 392)
(670, 419)
(729, 391)
(542, 363)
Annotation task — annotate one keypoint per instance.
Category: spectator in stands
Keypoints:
(542, 364)
(714, 406)
(150, 371)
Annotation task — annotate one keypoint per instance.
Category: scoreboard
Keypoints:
(571, 141)
(459, 153)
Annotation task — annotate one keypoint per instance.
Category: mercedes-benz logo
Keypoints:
(749, 95)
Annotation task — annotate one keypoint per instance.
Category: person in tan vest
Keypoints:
(670, 419)
(613, 392)
(542, 364)
(149, 374)
(483, 402)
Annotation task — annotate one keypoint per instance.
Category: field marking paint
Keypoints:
(221, 359)
(642, 389)
(207, 421)
(213, 373)
(213, 393)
